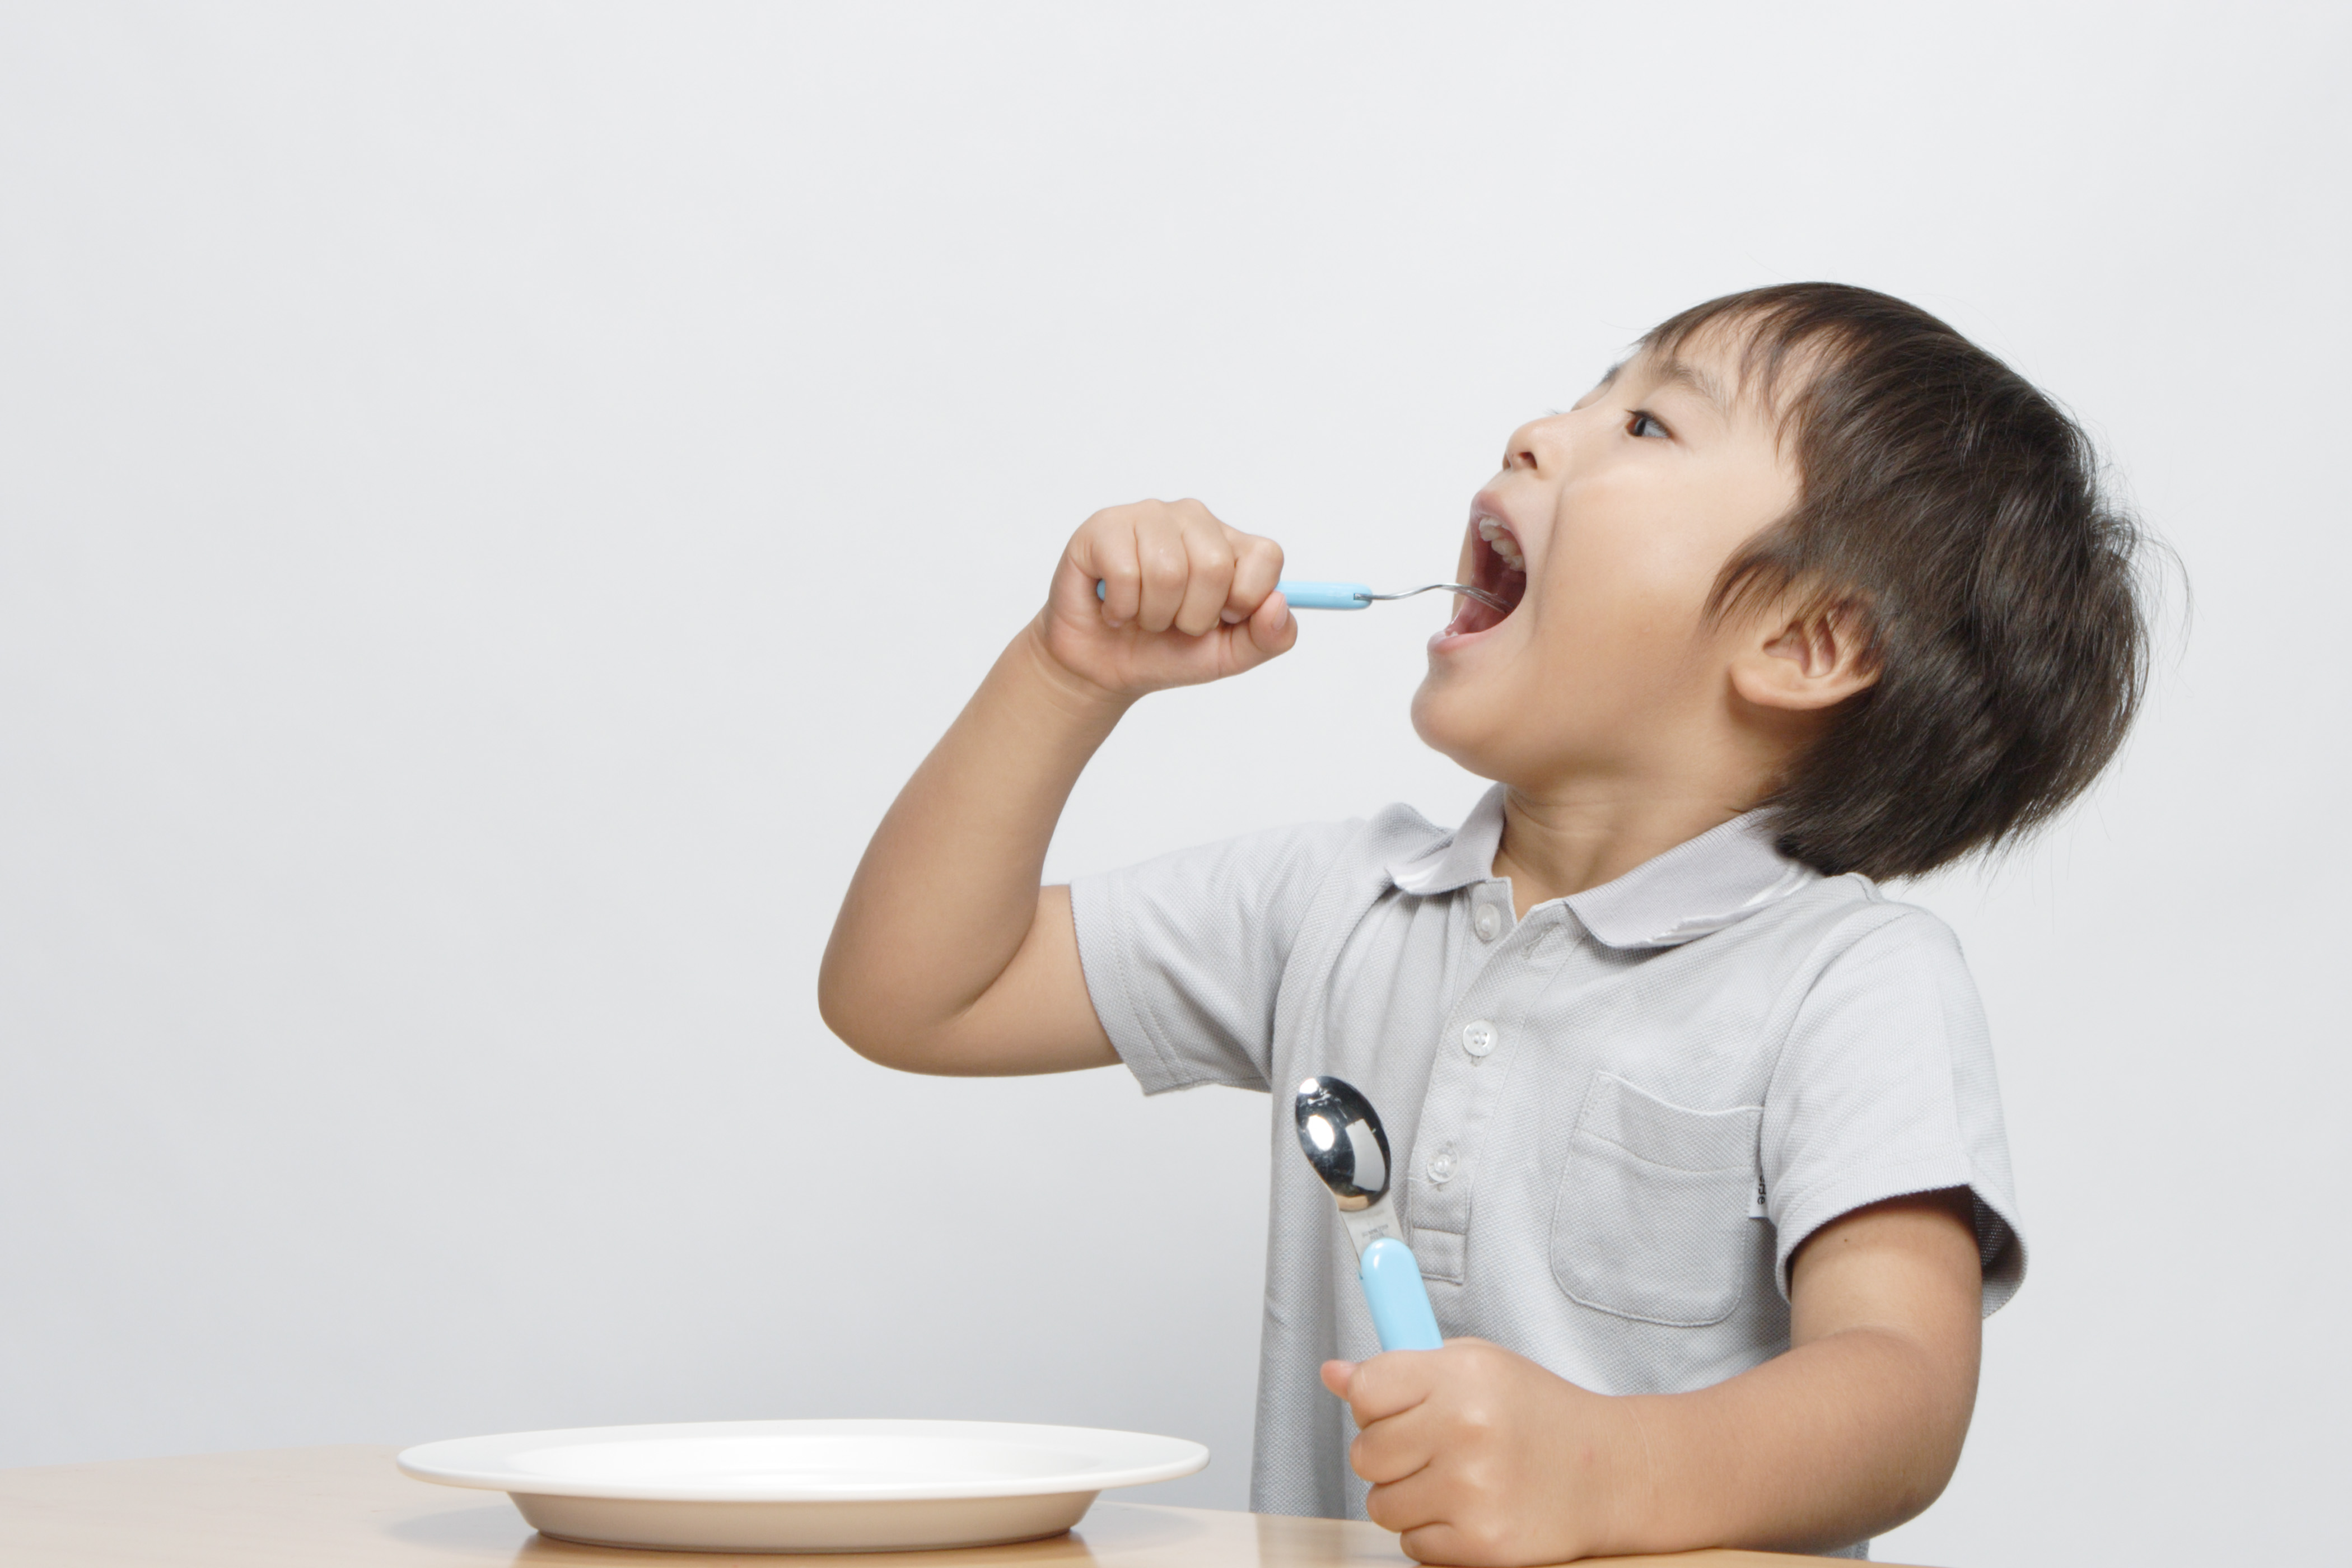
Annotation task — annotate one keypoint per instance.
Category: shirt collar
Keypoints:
(1701, 885)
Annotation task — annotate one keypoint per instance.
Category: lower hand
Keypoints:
(1185, 599)
(1482, 1458)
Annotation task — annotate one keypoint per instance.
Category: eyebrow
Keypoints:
(1681, 373)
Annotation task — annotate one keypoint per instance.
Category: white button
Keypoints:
(1487, 921)
(1441, 1170)
(1478, 1038)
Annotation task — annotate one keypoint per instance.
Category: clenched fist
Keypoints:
(1482, 1458)
(1185, 599)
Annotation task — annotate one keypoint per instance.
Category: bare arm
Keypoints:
(1859, 1425)
(948, 957)
(1479, 1457)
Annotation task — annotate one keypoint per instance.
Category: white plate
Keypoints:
(805, 1486)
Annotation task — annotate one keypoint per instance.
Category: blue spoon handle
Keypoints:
(1306, 595)
(1399, 1301)
(1326, 596)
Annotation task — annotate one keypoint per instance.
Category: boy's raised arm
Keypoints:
(946, 956)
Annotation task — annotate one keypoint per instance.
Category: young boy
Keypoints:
(1702, 1150)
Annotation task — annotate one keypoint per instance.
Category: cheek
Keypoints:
(1645, 565)
(1627, 588)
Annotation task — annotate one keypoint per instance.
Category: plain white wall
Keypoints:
(493, 500)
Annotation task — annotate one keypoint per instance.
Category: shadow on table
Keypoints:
(475, 1529)
(1130, 1533)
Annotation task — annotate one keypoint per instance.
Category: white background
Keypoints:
(494, 500)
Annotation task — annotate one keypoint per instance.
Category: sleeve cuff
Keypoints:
(2000, 1245)
(1108, 966)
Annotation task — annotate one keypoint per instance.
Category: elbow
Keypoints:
(876, 1045)
(1936, 1421)
(857, 1022)
(1936, 1466)
(846, 1014)
(1919, 1490)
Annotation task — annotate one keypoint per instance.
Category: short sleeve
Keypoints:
(1183, 955)
(1886, 1088)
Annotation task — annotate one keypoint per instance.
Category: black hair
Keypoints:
(1956, 514)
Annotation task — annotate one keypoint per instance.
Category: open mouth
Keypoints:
(1499, 566)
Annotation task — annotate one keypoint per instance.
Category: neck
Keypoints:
(1573, 824)
(1570, 836)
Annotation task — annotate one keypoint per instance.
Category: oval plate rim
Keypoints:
(486, 1462)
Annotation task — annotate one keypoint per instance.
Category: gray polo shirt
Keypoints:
(1615, 1118)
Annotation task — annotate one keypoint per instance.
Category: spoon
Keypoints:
(1341, 1136)
(1356, 595)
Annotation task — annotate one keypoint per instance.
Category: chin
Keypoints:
(1438, 718)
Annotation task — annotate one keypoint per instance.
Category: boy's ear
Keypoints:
(1804, 662)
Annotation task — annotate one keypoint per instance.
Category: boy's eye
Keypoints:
(1641, 423)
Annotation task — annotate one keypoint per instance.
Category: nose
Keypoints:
(1536, 445)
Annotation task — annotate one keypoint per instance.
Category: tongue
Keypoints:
(1473, 617)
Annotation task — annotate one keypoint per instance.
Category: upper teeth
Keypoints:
(1496, 534)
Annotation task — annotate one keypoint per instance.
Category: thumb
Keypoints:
(1272, 627)
(1270, 631)
(1337, 1376)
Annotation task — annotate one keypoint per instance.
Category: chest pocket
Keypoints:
(1652, 1220)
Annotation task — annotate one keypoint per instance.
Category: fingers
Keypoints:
(1448, 1514)
(1257, 567)
(1386, 1452)
(1477, 1456)
(1386, 1396)
(1271, 631)
(1390, 1384)
(1105, 550)
(1172, 565)
(1210, 559)
(1335, 1374)
(1167, 569)
(1443, 1543)
(1409, 1502)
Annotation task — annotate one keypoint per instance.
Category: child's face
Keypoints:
(1611, 523)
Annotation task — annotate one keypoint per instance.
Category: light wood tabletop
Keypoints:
(349, 1508)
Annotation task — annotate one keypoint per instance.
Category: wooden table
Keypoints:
(349, 1507)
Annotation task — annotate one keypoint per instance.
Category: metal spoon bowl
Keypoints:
(1341, 1135)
